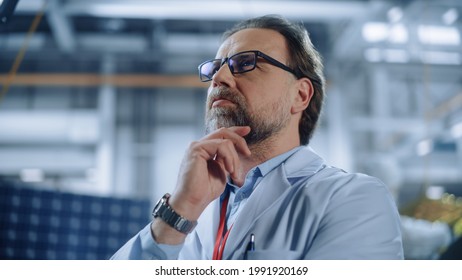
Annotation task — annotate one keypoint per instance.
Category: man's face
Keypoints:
(258, 98)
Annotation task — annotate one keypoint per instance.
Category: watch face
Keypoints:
(160, 203)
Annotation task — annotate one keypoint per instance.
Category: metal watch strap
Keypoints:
(166, 213)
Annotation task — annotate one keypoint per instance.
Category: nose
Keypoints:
(223, 77)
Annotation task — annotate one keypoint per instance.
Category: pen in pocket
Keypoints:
(252, 243)
(250, 246)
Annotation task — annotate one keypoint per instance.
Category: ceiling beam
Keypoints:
(96, 80)
(61, 27)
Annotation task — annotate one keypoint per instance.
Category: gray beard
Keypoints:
(263, 126)
(261, 129)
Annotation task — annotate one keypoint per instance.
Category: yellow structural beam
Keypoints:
(96, 80)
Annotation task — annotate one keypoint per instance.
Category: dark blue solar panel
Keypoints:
(42, 224)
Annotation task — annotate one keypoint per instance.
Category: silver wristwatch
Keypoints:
(169, 216)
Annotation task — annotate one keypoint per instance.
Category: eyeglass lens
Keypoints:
(208, 69)
(238, 63)
(241, 63)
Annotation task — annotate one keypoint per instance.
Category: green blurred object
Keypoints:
(448, 210)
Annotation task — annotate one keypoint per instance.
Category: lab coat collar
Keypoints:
(303, 163)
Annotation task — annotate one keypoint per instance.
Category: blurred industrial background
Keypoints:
(99, 99)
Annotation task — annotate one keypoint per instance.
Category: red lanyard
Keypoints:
(220, 239)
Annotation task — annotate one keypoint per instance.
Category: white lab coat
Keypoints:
(326, 214)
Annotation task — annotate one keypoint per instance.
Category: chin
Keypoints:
(217, 123)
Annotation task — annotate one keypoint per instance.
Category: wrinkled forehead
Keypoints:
(268, 41)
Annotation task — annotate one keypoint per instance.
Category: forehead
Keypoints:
(268, 41)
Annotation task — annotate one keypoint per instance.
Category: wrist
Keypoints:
(165, 212)
(186, 208)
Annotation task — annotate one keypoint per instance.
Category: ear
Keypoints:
(304, 95)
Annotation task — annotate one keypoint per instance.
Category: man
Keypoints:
(253, 186)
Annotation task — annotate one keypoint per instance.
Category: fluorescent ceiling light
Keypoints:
(387, 55)
(450, 16)
(398, 34)
(440, 57)
(208, 9)
(374, 32)
(456, 130)
(424, 147)
(434, 192)
(438, 35)
(31, 175)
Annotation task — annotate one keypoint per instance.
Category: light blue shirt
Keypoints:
(297, 207)
(238, 196)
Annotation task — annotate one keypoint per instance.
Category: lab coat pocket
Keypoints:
(272, 255)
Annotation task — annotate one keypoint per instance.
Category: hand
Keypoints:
(202, 177)
(205, 167)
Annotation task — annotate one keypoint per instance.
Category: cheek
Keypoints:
(252, 97)
(263, 94)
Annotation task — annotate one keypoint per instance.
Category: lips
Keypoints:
(221, 96)
(220, 101)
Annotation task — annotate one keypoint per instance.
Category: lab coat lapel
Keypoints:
(269, 190)
(304, 163)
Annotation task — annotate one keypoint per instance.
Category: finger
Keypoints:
(227, 157)
(241, 130)
(240, 143)
(222, 151)
(235, 134)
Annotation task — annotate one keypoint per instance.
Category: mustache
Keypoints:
(223, 93)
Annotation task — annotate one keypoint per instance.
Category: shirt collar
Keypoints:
(260, 170)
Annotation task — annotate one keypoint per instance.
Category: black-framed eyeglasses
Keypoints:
(238, 63)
